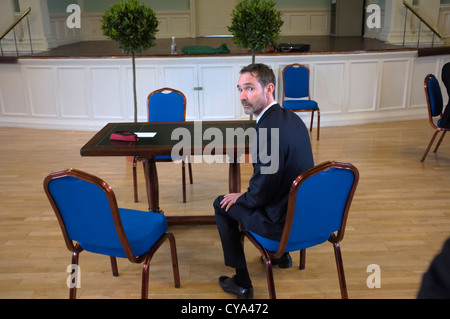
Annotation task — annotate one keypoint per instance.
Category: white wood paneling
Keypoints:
(146, 82)
(217, 82)
(41, 84)
(393, 92)
(329, 89)
(106, 86)
(89, 93)
(421, 68)
(12, 92)
(363, 86)
(174, 23)
(73, 99)
(171, 23)
(183, 78)
(306, 21)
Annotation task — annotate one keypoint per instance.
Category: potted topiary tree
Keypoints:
(255, 25)
(134, 26)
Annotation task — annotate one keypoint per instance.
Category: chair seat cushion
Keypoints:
(168, 158)
(300, 105)
(272, 245)
(142, 229)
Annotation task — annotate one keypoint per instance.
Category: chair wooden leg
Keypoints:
(190, 173)
(74, 283)
(429, 146)
(115, 270)
(318, 124)
(302, 259)
(146, 263)
(145, 273)
(267, 261)
(269, 274)
(312, 119)
(440, 141)
(173, 252)
(183, 180)
(135, 180)
(340, 270)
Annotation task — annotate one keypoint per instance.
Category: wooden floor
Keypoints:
(399, 219)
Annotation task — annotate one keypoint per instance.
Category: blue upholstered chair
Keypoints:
(90, 220)
(166, 105)
(435, 106)
(296, 92)
(319, 202)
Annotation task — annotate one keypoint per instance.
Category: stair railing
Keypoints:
(12, 28)
(422, 20)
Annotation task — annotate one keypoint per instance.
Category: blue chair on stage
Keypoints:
(435, 106)
(296, 92)
(319, 202)
(90, 220)
(166, 105)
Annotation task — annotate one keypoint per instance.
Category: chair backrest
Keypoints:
(87, 210)
(434, 96)
(319, 202)
(296, 81)
(166, 105)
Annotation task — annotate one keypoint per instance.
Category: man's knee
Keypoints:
(217, 207)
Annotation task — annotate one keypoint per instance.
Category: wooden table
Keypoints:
(187, 138)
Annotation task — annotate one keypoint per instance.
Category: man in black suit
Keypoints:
(445, 121)
(436, 280)
(282, 136)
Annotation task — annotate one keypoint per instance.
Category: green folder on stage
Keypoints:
(194, 49)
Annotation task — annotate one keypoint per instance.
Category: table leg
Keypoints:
(234, 185)
(151, 181)
(234, 177)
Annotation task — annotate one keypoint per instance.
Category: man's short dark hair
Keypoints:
(262, 72)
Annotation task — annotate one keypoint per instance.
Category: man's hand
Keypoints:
(229, 200)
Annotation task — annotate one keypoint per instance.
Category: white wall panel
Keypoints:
(41, 85)
(394, 84)
(12, 91)
(106, 92)
(319, 23)
(73, 98)
(363, 85)
(146, 82)
(172, 23)
(422, 67)
(217, 83)
(311, 21)
(329, 86)
(298, 22)
(183, 78)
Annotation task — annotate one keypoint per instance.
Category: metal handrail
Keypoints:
(422, 19)
(12, 26)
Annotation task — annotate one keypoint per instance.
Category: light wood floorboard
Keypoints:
(399, 219)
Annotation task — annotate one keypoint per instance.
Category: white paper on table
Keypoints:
(145, 134)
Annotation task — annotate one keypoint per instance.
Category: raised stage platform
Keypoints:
(83, 86)
(318, 45)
